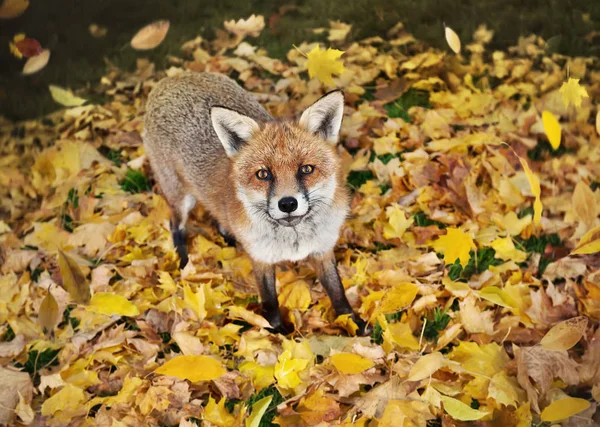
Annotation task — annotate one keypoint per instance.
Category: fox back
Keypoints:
(275, 185)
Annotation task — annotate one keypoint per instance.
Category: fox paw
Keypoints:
(364, 329)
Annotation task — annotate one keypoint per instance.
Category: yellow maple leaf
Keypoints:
(217, 414)
(398, 222)
(536, 190)
(572, 92)
(484, 359)
(67, 399)
(193, 368)
(287, 370)
(460, 411)
(195, 301)
(456, 244)
(506, 250)
(109, 304)
(262, 376)
(295, 295)
(324, 63)
(349, 363)
(399, 334)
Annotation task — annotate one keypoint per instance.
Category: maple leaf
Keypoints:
(324, 63)
(572, 92)
(456, 244)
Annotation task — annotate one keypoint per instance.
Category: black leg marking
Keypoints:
(265, 276)
(179, 241)
(330, 279)
(229, 239)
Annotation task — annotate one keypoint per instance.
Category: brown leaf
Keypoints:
(589, 370)
(584, 205)
(48, 315)
(373, 403)
(73, 279)
(12, 348)
(543, 366)
(11, 384)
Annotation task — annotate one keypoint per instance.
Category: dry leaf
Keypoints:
(48, 315)
(534, 182)
(13, 8)
(565, 335)
(246, 27)
(65, 97)
(453, 40)
(109, 304)
(456, 244)
(150, 36)
(459, 411)
(348, 363)
(552, 129)
(426, 366)
(193, 368)
(584, 205)
(564, 408)
(572, 92)
(589, 243)
(11, 384)
(37, 62)
(73, 279)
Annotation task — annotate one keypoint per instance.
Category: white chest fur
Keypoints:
(270, 243)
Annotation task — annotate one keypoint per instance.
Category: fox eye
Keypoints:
(263, 175)
(307, 169)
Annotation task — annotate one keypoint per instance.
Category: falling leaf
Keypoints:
(109, 304)
(426, 366)
(589, 243)
(97, 30)
(534, 183)
(48, 315)
(572, 92)
(36, 63)
(246, 27)
(73, 279)
(565, 334)
(13, 8)
(28, 47)
(150, 36)
(65, 97)
(453, 40)
(193, 368)
(456, 244)
(564, 408)
(349, 363)
(258, 410)
(324, 63)
(459, 411)
(598, 122)
(552, 129)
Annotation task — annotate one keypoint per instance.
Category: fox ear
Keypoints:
(324, 117)
(232, 128)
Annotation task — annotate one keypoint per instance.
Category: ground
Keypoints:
(472, 247)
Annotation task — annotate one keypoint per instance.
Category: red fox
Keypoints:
(275, 186)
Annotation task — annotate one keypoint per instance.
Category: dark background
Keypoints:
(79, 60)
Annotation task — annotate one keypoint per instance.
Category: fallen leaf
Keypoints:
(237, 312)
(37, 62)
(598, 122)
(456, 244)
(73, 279)
(11, 384)
(565, 334)
(324, 63)
(258, 410)
(397, 224)
(12, 348)
(405, 413)
(572, 92)
(67, 399)
(552, 129)
(109, 304)
(251, 26)
(459, 411)
(453, 40)
(426, 366)
(48, 315)
(65, 97)
(217, 414)
(534, 183)
(589, 243)
(13, 8)
(193, 368)
(150, 36)
(564, 408)
(349, 363)
(584, 205)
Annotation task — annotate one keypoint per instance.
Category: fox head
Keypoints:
(285, 172)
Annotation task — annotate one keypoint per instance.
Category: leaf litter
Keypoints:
(474, 233)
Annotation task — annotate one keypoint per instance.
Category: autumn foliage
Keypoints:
(471, 249)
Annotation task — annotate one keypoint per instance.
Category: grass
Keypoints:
(79, 60)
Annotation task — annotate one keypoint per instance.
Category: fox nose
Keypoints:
(288, 204)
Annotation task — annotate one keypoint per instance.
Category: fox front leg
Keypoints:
(330, 279)
(265, 278)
